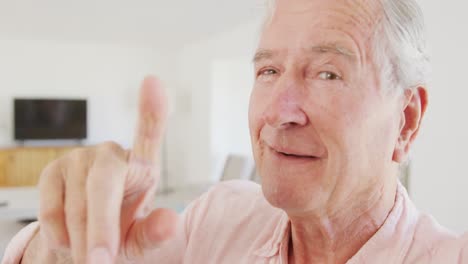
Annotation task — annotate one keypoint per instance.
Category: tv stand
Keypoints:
(22, 166)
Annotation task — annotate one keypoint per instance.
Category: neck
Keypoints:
(325, 237)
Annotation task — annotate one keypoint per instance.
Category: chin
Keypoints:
(292, 196)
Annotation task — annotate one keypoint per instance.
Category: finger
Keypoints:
(51, 207)
(105, 189)
(75, 209)
(150, 232)
(151, 121)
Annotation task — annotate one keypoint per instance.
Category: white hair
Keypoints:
(399, 45)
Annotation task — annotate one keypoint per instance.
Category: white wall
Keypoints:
(198, 80)
(440, 179)
(232, 82)
(107, 75)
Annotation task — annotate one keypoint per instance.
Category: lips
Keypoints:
(290, 153)
(295, 155)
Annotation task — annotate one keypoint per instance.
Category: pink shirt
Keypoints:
(233, 223)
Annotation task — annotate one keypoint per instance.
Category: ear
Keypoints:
(414, 108)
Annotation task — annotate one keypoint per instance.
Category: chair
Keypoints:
(255, 177)
(237, 167)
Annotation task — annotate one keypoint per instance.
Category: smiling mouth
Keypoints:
(295, 155)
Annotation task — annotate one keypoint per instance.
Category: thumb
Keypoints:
(151, 232)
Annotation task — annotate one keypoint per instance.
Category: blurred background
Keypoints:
(90, 56)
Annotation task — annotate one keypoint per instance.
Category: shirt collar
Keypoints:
(280, 235)
(393, 240)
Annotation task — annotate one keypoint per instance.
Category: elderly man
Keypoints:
(338, 99)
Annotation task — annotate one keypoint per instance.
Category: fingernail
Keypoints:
(99, 256)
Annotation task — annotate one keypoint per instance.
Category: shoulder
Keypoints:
(233, 209)
(230, 200)
(235, 188)
(433, 243)
(235, 192)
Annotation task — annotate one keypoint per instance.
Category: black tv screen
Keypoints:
(50, 119)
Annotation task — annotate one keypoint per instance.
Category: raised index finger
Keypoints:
(152, 118)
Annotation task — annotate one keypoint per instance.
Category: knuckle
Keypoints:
(61, 241)
(51, 214)
(106, 162)
(49, 171)
(110, 151)
(110, 157)
(110, 147)
(55, 237)
(76, 216)
(79, 154)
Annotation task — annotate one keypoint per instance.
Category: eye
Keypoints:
(326, 75)
(267, 72)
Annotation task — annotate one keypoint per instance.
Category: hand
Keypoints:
(96, 201)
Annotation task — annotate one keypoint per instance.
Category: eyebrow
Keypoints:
(334, 48)
(262, 55)
(322, 48)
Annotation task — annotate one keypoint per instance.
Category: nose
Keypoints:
(284, 110)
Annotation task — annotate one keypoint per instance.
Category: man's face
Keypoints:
(322, 130)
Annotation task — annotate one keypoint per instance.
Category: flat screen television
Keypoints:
(36, 119)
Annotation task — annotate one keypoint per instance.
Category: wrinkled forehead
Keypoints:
(360, 16)
(361, 11)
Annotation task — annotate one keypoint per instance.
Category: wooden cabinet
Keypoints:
(23, 166)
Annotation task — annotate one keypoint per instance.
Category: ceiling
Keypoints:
(150, 22)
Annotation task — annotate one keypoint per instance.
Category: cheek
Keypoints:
(255, 118)
(367, 131)
(343, 122)
(333, 117)
(257, 105)
(384, 138)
